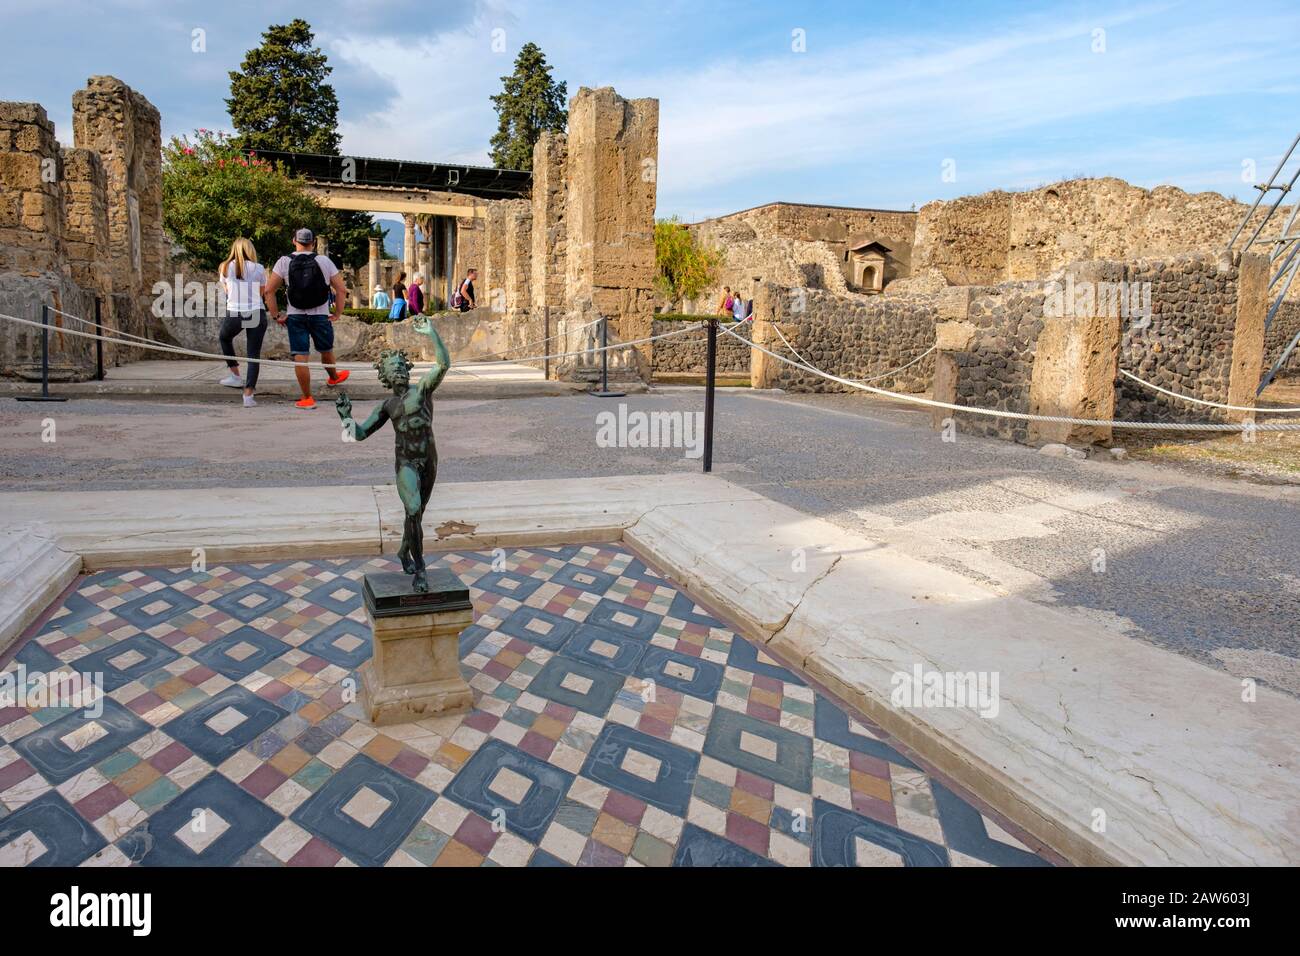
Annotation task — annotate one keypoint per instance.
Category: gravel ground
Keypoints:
(1197, 564)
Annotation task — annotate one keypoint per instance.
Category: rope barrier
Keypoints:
(1201, 401)
(150, 344)
(1024, 416)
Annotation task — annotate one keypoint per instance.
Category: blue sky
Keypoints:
(881, 100)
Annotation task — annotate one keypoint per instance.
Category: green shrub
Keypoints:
(684, 269)
(212, 193)
(369, 316)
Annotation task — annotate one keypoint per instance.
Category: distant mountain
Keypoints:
(392, 241)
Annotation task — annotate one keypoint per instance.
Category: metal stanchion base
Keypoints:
(605, 394)
(39, 398)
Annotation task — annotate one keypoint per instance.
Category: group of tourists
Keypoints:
(316, 292)
(733, 305)
(409, 300)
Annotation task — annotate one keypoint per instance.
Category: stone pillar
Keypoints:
(372, 272)
(426, 265)
(493, 276)
(125, 129)
(408, 245)
(31, 239)
(610, 176)
(1248, 334)
(322, 246)
(469, 252)
(549, 252)
(1076, 362)
(414, 672)
(518, 254)
(33, 266)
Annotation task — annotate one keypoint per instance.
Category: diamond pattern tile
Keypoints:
(616, 723)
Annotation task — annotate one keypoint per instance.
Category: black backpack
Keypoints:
(307, 286)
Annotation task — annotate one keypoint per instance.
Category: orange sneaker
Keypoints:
(306, 403)
(343, 377)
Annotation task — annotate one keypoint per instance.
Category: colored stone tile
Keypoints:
(364, 811)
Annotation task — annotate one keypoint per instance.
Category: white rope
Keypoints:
(282, 363)
(874, 378)
(1022, 416)
(1201, 401)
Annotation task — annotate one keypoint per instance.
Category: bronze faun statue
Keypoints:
(411, 410)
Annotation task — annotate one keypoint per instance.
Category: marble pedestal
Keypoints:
(415, 670)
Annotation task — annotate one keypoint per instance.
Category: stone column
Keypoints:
(549, 247)
(322, 246)
(610, 181)
(372, 273)
(125, 129)
(426, 265)
(408, 245)
(1076, 362)
(1248, 334)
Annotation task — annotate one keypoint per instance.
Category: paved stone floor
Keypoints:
(617, 723)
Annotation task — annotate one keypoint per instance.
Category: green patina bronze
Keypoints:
(411, 411)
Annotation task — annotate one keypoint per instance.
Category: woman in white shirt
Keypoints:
(243, 280)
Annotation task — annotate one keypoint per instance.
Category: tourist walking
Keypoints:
(309, 279)
(379, 298)
(415, 296)
(463, 298)
(242, 278)
(398, 310)
(728, 301)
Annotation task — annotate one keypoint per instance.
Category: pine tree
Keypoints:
(531, 102)
(280, 100)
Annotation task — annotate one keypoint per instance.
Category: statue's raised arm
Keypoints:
(441, 360)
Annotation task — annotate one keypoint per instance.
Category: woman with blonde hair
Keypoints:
(243, 280)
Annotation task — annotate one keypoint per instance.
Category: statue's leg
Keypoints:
(408, 489)
(427, 475)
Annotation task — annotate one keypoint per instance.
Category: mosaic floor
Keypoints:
(617, 724)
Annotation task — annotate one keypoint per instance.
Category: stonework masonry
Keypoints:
(79, 224)
(855, 337)
(1003, 236)
(688, 352)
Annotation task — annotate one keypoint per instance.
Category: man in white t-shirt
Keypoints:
(309, 280)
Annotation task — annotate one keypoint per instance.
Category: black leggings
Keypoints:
(254, 324)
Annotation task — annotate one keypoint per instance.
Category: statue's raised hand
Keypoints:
(343, 405)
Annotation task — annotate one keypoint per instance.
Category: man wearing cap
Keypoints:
(309, 280)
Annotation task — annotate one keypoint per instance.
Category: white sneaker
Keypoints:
(232, 381)
(248, 401)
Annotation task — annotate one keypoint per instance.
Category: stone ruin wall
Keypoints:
(583, 245)
(794, 244)
(80, 223)
(1286, 323)
(687, 353)
(1187, 347)
(1002, 236)
(856, 337)
(1001, 346)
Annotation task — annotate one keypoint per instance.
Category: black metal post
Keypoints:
(45, 395)
(710, 380)
(604, 363)
(99, 345)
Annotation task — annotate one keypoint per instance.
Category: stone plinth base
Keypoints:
(415, 670)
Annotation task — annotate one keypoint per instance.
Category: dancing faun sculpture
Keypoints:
(410, 408)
